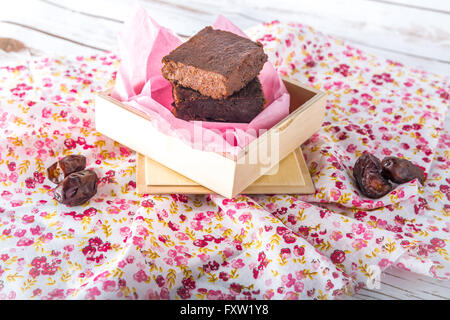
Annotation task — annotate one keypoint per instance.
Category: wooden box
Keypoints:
(223, 174)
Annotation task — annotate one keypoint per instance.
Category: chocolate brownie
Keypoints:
(241, 107)
(214, 62)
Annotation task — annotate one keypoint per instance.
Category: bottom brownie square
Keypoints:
(242, 106)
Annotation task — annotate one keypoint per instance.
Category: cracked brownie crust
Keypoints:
(214, 62)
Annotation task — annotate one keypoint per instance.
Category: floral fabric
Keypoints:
(124, 245)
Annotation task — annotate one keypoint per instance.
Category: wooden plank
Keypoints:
(365, 22)
(54, 24)
(43, 43)
(368, 24)
(441, 6)
(399, 284)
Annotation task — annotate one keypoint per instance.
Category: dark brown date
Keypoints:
(67, 165)
(401, 170)
(367, 173)
(77, 188)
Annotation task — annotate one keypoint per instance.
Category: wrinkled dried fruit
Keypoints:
(67, 165)
(77, 188)
(401, 170)
(367, 172)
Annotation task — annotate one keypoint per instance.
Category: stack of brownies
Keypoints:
(214, 77)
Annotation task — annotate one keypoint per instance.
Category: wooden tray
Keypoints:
(291, 176)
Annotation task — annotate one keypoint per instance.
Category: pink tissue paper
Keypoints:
(139, 84)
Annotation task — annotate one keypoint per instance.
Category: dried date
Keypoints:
(67, 165)
(77, 188)
(367, 173)
(401, 170)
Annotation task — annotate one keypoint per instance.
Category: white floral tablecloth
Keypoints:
(123, 245)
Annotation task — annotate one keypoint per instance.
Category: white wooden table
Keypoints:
(415, 32)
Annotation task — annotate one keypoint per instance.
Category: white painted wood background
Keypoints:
(415, 32)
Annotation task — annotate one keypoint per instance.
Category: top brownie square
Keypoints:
(214, 62)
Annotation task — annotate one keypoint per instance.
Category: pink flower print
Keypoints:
(204, 257)
(38, 144)
(30, 183)
(285, 253)
(231, 213)
(358, 228)
(124, 152)
(329, 285)
(25, 242)
(47, 237)
(56, 294)
(152, 295)
(282, 230)
(92, 293)
(89, 251)
(359, 215)
(181, 236)
(69, 248)
(142, 231)
(288, 280)
(437, 242)
(359, 244)
(104, 247)
(245, 217)
(271, 206)
(20, 233)
(13, 177)
(200, 243)
(181, 249)
(70, 143)
(289, 238)
(299, 286)
(141, 276)
(214, 295)
(291, 296)
(337, 257)
(237, 263)
(228, 252)
(6, 195)
(384, 263)
(368, 235)
(196, 225)
(160, 281)
(3, 177)
(113, 210)
(138, 241)
(172, 253)
(50, 143)
(268, 294)
(4, 257)
(164, 294)
(39, 177)
(38, 261)
(125, 231)
(46, 112)
(183, 293)
(299, 251)
(27, 219)
(336, 235)
(36, 292)
(129, 259)
(34, 272)
(189, 283)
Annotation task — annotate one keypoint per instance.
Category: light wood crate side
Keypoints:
(136, 132)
